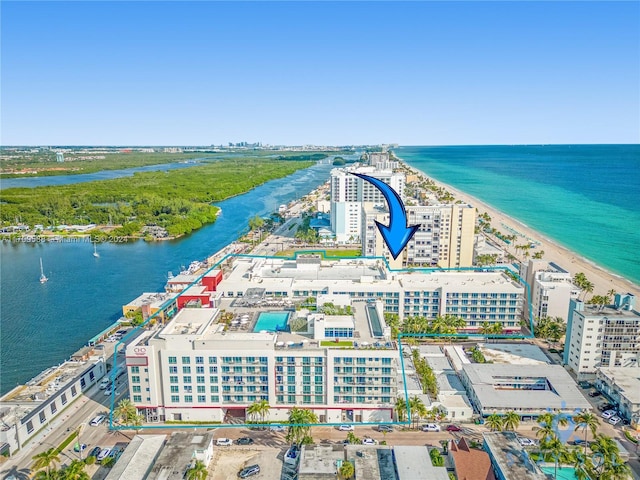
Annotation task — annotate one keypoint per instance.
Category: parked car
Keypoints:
(104, 453)
(431, 427)
(224, 442)
(79, 447)
(94, 452)
(369, 441)
(249, 471)
(608, 414)
(595, 393)
(585, 384)
(615, 420)
(606, 406)
(108, 390)
(453, 428)
(97, 420)
(277, 428)
(292, 454)
(106, 381)
(244, 441)
(527, 442)
(578, 442)
(385, 428)
(346, 428)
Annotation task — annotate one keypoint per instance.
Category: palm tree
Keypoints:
(125, 411)
(198, 471)
(556, 449)
(300, 420)
(347, 470)
(580, 465)
(46, 460)
(263, 409)
(43, 475)
(75, 471)
(587, 287)
(485, 328)
(611, 294)
(417, 409)
(253, 410)
(401, 409)
(546, 431)
(586, 421)
(494, 422)
(511, 420)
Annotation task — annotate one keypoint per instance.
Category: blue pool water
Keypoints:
(271, 321)
(564, 473)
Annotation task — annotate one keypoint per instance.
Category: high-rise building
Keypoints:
(349, 192)
(600, 336)
(445, 237)
(59, 157)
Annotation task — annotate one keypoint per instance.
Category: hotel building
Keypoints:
(602, 336)
(200, 367)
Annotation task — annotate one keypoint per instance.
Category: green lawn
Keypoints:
(325, 253)
(331, 343)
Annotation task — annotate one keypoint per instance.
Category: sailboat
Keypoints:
(95, 252)
(43, 278)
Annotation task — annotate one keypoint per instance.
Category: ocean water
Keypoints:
(42, 325)
(584, 197)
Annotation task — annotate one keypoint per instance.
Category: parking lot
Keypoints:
(228, 461)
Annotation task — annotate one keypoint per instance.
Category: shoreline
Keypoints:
(603, 279)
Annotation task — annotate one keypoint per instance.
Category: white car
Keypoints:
(369, 441)
(346, 428)
(608, 414)
(97, 420)
(104, 453)
(224, 442)
(527, 442)
(277, 428)
(108, 390)
(615, 420)
(431, 427)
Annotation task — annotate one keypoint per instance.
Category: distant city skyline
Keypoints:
(319, 73)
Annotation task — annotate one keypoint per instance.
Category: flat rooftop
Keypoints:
(177, 454)
(414, 462)
(500, 386)
(372, 462)
(514, 353)
(150, 298)
(627, 379)
(506, 452)
(190, 321)
(138, 458)
(319, 462)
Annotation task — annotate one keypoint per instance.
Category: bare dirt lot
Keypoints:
(227, 462)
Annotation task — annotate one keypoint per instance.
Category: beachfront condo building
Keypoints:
(349, 192)
(445, 238)
(551, 287)
(602, 336)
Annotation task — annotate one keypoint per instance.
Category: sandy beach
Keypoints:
(553, 252)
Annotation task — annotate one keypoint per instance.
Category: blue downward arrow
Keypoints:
(397, 234)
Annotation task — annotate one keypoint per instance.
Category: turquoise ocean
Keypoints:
(584, 197)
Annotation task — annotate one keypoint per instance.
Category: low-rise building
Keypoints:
(414, 462)
(622, 386)
(138, 458)
(530, 391)
(180, 452)
(469, 463)
(28, 408)
(508, 459)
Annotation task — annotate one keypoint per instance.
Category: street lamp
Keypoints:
(78, 432)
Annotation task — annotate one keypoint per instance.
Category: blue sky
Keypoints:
(416, 73)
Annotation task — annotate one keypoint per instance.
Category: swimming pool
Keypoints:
(564, 473)
(271, 321)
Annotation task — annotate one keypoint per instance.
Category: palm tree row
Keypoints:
(498, 423)
(449, 324)
(602, 300)
(426, 375)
